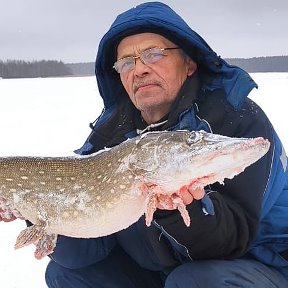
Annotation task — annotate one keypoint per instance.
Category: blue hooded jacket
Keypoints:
(159, 18)
(269, 243)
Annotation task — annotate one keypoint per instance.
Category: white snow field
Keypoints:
(51, 117)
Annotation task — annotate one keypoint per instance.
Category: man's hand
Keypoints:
(6, 213)
(189, 194)
(6, 217)
(178, 200)
(185, 196)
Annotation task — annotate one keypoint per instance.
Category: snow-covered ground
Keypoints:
(40, 117)
(51, 117)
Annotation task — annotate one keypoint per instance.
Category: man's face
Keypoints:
(153, 87)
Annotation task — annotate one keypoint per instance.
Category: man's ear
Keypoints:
(191, 67)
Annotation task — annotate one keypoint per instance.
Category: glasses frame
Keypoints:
(139, 57)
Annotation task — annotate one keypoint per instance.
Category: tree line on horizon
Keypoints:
(32, 69)
(51, 68)
(261, 64)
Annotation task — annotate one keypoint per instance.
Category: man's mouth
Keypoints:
(143, 86)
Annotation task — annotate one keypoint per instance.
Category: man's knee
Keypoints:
(51, 274)
(57, 276)
(217, 274)
(182, 276)
(110, 272)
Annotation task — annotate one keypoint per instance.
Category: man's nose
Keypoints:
(140, 66)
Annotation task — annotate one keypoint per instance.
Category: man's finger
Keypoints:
(197, 193)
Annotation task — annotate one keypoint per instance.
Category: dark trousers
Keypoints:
(120, 271)
(244, 273)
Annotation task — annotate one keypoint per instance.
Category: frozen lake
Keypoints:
(51, 117)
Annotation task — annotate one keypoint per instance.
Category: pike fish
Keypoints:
(105, 192)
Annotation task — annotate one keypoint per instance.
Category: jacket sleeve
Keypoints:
(237, 203)
(76, 253)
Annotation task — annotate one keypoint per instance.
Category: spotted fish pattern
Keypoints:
(102, 193)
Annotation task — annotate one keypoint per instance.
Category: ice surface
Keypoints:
(51, 117)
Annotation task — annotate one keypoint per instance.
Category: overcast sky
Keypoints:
(70, 30)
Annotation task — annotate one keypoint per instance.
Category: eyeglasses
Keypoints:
(148, 56)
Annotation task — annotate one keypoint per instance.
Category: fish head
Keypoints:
(173, 159)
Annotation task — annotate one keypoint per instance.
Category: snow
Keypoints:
(41, 117)
(272, 96)
(51, 116)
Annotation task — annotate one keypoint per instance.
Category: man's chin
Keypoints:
(150, 107)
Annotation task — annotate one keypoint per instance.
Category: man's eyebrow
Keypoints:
(133, 55)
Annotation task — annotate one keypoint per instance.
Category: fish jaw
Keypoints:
(198, 158)
(227, 158)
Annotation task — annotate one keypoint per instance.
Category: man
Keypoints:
(155, 73)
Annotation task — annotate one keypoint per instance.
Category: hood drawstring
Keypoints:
(150, 127)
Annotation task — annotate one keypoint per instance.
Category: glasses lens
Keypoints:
(124, 65)
(147, 56)
(152, 55)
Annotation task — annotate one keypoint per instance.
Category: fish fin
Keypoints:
(45, 245)
(150, 208)
(151, 190)
(30, 235)
(184, 213)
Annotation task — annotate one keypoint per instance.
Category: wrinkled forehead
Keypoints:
(138, 42)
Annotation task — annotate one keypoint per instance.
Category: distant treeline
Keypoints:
(82, 69)
(261, 64)
(23, 69)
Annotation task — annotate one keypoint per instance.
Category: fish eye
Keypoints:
(194, 137)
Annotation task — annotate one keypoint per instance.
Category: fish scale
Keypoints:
(102, 193)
